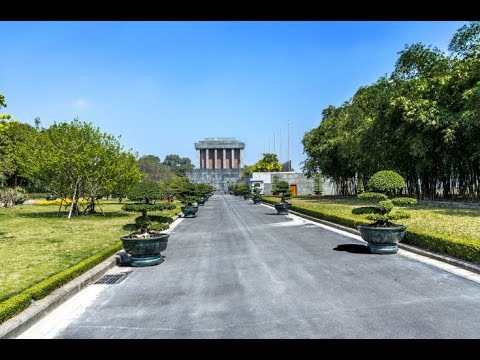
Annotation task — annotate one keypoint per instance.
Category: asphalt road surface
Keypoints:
(238, 270)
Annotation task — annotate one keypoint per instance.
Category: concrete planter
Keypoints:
(382, 240)
(282, 208)
(145, 251)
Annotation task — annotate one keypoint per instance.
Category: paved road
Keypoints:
(239, 271)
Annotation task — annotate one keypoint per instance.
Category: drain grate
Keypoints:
(112, 279)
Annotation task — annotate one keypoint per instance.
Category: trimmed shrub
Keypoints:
(282, 188)
(386, 181)
(366, 210)
(441, 244)
(404, 201)
(372, 196)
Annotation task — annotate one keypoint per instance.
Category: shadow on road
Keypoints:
(353, 248)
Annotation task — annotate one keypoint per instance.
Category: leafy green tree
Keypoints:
(180, 166)
(422, 122)
(466, 41)
(153, 169)
(125, 175)
(269, 163)
(318, 185)
(77, 160)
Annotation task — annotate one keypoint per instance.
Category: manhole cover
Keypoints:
(112, 279)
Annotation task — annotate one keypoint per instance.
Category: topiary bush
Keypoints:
(372, 196)
(187, 194)
(146, 193)
(256, 191)
(404, 201)
(282, 188)
(384, 215)
(386, 181)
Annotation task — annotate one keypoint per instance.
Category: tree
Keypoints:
(154, 170)
(77, 160)
(422, 122)
(126, 175)
(180, 166)
(466, 40)
(318, 185)
(18, 139)
(269, 163)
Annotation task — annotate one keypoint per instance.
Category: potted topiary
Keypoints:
(282, 188)
(382, 235)
(203, 191)
(188, 196)
(145, 245)
(256, 193)
(244, 190)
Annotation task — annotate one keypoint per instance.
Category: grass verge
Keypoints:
(41, 249)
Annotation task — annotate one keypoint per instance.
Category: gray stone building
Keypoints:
(219, 161)
(299, 184)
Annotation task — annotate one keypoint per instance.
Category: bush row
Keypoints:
(20, 302)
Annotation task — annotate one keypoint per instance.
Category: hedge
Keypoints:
(439, 243)
(16, 304)
(404, 201)
(372, 196)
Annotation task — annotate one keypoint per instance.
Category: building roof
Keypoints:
(219, 143)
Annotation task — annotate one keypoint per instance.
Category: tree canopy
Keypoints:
(180, 166)
(152, 167)
(269, 163)
(422, 121)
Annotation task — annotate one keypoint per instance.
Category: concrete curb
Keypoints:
(21, 322)
(452, 261)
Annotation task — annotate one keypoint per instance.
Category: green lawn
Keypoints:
(35, 242)
(442, 229)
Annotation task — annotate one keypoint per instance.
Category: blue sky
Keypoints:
(162, 86)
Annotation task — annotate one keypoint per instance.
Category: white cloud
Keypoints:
(80, 103)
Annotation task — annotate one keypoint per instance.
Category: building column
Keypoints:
(232, 153)
(224, 156)
(207, 160)
(215, 158)
(240, 159)
(199, 161)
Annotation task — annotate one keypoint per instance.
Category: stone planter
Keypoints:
(201, 202)
(256, 200)
(382, 240)
(282, 208)
(189, 211)
(145, 251)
